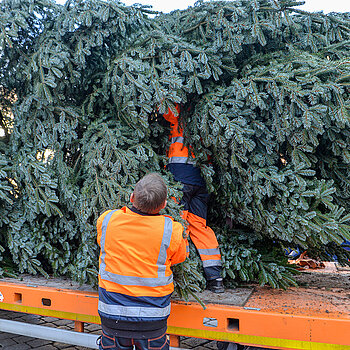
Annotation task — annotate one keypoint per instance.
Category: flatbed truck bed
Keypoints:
(309, 317)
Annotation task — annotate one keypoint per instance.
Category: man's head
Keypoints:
(150, 194)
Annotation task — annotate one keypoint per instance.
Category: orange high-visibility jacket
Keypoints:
(177, 153)
(136, 254)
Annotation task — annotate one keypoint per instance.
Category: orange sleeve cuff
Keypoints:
(170, 116)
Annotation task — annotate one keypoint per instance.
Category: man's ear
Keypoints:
(164, 205)
(132, 197)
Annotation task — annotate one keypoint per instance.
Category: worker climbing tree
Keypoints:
(82, 88)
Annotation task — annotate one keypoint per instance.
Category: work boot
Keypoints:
(216, 285)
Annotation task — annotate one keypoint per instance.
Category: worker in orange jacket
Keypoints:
(138, 247)
(195, 201)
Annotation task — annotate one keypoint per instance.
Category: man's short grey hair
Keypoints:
(150, 193)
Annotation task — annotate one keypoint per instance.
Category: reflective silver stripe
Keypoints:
(161, 280)
(168, 229)
(187, 249)
(136, 281)
(214, 251)
(133, 311)
(177, 139)
(102, 243)
(208, 263)
(181, 160)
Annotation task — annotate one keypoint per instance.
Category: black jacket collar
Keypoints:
(137, 211)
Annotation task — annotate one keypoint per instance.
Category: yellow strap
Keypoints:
(52, 313)
(255, 340)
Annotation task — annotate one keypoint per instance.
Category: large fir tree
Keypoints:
(265, 90)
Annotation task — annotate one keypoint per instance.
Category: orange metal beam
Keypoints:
(79, 326)
(46, 301)
(247, 325)
(255, 327)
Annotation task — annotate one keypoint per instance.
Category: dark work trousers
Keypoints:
(119, 343)
(195, 202)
